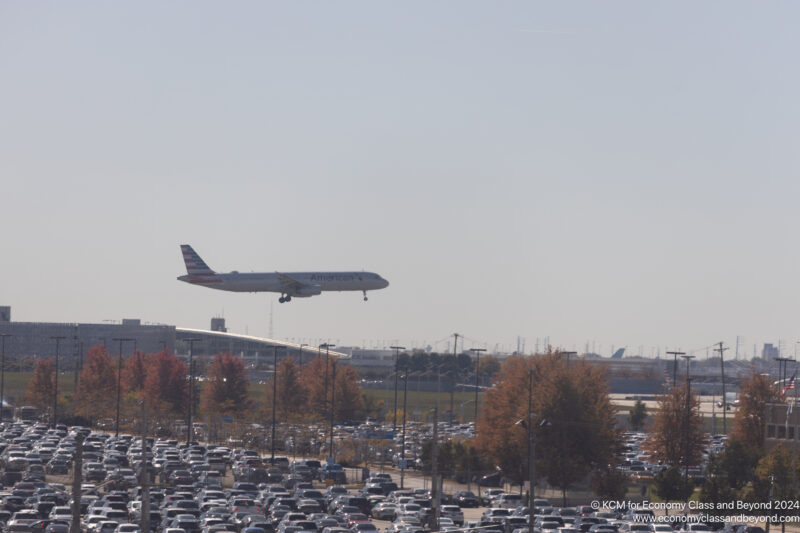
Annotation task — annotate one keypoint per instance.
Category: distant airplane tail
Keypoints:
(194, 265)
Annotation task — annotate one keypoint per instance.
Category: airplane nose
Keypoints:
(384, 283)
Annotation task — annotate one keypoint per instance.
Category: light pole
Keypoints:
(477, 352)
(688, 359)
(333, 408)
(403, 464)
(3, 374)
(675, 366)
(119, 381)
(189, 428)
(301, 353)
(58, 339)
(396, 357)
(274, 399)
(327, 347)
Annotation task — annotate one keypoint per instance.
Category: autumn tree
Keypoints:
(312, 379)
(166, 385)
(668, 439)
(134, 372)
(749, 424)
(97, 386)
(41, 387)
(573, 423)
(226, 389)
(349, 400)
(291, 394)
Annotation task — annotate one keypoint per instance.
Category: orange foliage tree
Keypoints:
(41, 387)
(749, 424)
(292, 395)
(312, 379)
(97, 386)
(134, 372)
(349, 402)
(166, 385)
(573, 420)
(667, 436)
(227, 388)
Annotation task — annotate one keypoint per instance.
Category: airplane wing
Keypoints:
(289, 284)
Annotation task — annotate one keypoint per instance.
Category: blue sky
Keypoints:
(622, 173)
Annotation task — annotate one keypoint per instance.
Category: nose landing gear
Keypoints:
(365, 296)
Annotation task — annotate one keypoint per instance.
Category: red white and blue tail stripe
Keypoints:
(198, 270)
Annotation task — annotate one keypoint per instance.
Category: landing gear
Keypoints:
(286, 298)
(365, 296)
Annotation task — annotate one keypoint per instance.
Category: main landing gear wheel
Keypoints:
(285, 299)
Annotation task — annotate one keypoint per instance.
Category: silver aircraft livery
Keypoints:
(288, 284)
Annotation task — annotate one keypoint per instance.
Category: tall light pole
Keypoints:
(477, 352)
(688, 359)
(274, 398)
(119, 381)
(333, 408)
(403, 464)
(3, 374)
(721, 351)
(301, 353)
(675, 366)
(58, 339)
(396, 358)
(327, 347)
(189, 428)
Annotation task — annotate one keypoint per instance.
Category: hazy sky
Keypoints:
(623, 173)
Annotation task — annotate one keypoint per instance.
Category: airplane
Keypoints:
(288, 284)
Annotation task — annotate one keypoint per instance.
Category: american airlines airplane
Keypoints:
(288, 284)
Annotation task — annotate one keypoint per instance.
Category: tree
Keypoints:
(134, 372)
(670, 485)
(292, 398)
(312, 379)
(488, 366)
(574, 426)
(609, 483)
(749, 424)
(716, 488)
(637, 415)
(227, 388)
(667, 440)
(774, 480)
(166, 385)
(97, 386)
(41, 387)
(349, 400)
(738, 463)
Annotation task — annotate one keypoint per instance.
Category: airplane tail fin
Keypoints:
(194, 264)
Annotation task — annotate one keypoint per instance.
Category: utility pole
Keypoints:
(675, 366)
(119, 382)
(531, 459)
(189, 428)
(58, 339)
(688, 358)
(721, 351)
(77, 463)
(403, 464)
(477, 352)
(333, 407)
(274, 398)
(327, 347)
(453, 380)
(396, 357)
(144, 481)
(3, 374)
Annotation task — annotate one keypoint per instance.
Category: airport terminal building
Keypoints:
(25, 341)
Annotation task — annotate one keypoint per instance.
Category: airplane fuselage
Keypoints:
(271, 282)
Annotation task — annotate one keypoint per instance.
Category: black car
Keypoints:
(465, 498)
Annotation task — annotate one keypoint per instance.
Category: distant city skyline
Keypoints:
(623, 174)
